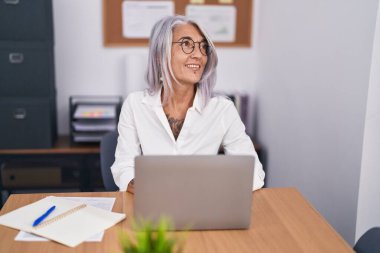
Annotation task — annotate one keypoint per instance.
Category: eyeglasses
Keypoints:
(188, 46)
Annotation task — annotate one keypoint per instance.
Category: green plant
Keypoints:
(148, 238)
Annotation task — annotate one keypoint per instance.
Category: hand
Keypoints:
(131, 187)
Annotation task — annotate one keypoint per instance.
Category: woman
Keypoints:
(178, 114)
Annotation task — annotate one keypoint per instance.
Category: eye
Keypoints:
(187, 43)
(204, 48)
(204, 45)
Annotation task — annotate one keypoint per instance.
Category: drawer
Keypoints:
(26, 20)
(30, 175)
(26, 69)
(27, 123)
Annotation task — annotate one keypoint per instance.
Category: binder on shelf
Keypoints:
(93, 116)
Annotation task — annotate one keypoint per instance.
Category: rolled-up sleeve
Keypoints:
(237, 142)
(128, 147)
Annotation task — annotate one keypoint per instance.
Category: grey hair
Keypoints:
(159, 61)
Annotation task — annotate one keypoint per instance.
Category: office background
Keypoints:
(313, 77)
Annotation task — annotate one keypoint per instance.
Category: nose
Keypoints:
(197, 50)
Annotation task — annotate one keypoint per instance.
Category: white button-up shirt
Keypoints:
(144, 129)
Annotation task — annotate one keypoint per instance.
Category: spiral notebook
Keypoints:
(70, 223)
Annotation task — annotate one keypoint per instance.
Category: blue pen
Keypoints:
(42, 217)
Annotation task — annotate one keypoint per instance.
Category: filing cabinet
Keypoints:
(27, 83)
(27, 122)
(26, 20)
(27, 69)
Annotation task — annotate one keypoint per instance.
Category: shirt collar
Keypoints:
(152, 100)
(197, 103)
(155, 100)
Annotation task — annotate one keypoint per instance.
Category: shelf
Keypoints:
(62, 146)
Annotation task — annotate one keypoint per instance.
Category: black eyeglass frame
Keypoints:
(183, 40)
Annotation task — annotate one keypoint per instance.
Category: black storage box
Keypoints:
(27, 69)
(26, 20)
(27, 123)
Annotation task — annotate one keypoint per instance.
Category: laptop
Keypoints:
(206, 192)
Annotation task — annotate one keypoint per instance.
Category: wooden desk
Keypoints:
(282, 221)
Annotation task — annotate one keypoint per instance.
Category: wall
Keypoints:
(308, 69)
(313, 74)
(369, 190)
(85, 67)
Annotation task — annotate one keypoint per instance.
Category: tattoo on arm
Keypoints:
(175, 125)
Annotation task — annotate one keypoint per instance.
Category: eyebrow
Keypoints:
(188, 37)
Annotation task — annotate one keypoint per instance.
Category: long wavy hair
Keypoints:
(160, 71)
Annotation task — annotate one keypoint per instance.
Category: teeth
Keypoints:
(193, 66)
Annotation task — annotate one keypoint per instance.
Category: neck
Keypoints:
(180, 100)
(181, 94)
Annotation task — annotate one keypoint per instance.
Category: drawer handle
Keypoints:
(16, 58)
(19, 113)
(12, 1)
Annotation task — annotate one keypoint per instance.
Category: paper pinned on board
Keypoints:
(197, 1)
(226, 1)
(139, 16)
(219, 21)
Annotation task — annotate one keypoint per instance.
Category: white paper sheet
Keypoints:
(218, 21)
(103, 125)
(103, 203)
(140, 16)
(95, 112)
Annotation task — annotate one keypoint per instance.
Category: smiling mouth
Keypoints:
(193, 66)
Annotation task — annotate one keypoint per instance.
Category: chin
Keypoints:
(194, 82)
(189, 80)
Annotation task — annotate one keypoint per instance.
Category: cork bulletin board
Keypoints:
(113, 21)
